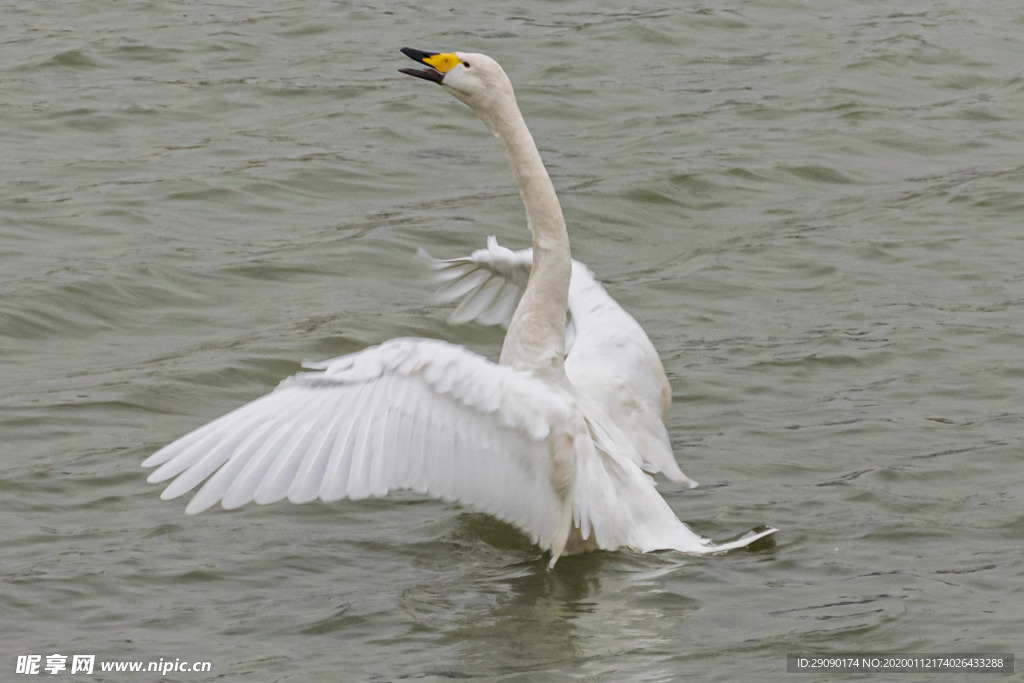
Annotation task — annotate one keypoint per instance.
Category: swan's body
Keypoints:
(515, 439)
(608, 355)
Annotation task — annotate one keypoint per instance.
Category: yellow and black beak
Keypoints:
(440, 63)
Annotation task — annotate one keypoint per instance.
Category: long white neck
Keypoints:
(536, 335)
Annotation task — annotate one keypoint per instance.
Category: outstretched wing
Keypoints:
(487, 284)
(409, 414)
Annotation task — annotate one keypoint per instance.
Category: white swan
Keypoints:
(515, 439)
(609, 357)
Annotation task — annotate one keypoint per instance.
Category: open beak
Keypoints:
(439, 64)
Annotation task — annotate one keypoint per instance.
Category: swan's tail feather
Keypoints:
(750, 537)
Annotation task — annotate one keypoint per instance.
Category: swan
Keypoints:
(515, 439)
(609, 357)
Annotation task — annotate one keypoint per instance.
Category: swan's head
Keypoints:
(476, 79)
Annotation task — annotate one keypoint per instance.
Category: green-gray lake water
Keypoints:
(815, 209)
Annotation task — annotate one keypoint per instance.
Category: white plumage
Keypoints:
(609, 357)
(555, 445)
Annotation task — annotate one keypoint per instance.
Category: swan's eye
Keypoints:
(465, 64)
